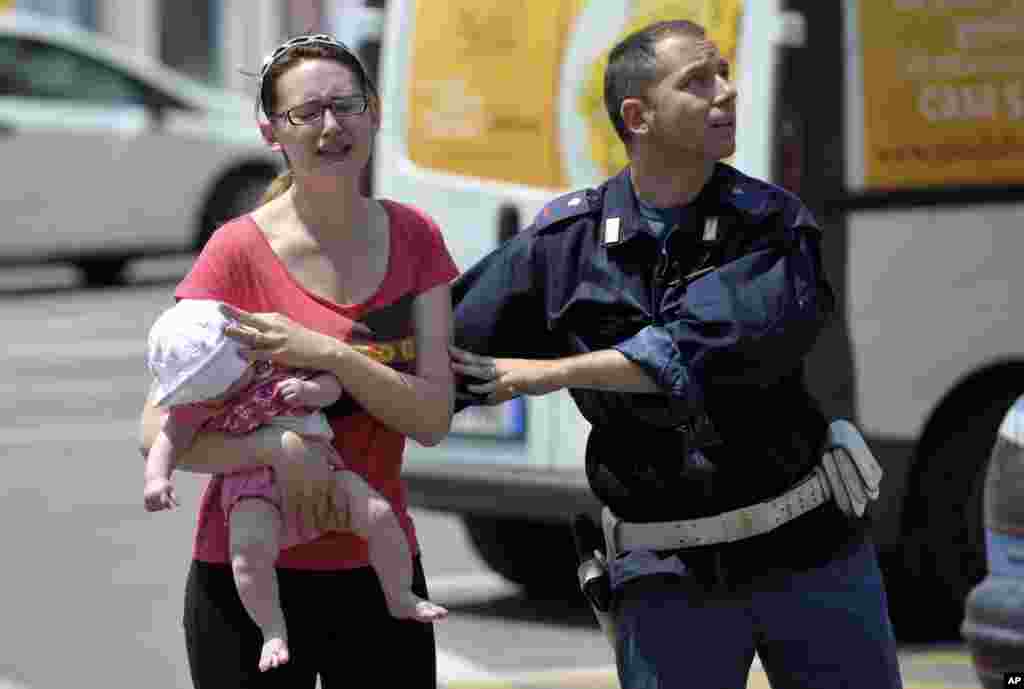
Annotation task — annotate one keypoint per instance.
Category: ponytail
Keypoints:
(280, 185)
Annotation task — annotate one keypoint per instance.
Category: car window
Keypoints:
(34, 69)
(11, 82)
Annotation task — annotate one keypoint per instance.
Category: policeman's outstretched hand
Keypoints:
(502, 379)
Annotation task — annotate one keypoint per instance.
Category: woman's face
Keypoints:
(331, 144)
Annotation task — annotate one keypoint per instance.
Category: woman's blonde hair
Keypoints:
(277, 186)
(288, 54)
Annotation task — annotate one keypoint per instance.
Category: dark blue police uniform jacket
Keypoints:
(721, 316)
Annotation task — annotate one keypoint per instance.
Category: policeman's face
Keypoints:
(334, 144)
(691, 106)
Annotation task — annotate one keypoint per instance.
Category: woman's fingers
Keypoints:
(483, 388)
(246, 324)
(457, 352)
(242, 334)
(327, 518)
(303, 499)
(236, 314)
(310, 504)
(466, 357)
(484, 369)
(317, 493)
(337, 517)
(313, 503)
(253, 343)
(483, 372)
(472, 365)
(297, 477)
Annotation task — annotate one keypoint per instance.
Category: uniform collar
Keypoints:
(621, 222)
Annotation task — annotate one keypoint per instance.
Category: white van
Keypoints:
(909, 152)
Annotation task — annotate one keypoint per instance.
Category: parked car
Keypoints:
(108, 156)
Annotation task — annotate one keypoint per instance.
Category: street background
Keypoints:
(92, 584)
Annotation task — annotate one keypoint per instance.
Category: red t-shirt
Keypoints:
(239, 267)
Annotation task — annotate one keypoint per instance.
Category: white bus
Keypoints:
(901, 125)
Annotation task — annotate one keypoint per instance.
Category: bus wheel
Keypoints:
(538, 556)
(949, 537)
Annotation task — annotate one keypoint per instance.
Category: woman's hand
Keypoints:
(303, 472)
(503, 379)
(272, 336)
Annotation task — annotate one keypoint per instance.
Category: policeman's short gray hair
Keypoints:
(633, 65)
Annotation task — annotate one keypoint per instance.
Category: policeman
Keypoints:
(677, 302)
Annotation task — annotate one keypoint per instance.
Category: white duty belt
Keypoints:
(848, 473)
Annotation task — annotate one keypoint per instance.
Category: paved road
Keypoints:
(91, 584)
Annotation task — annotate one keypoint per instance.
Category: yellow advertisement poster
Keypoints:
(943, 90)
(513, 90)
(483, 88)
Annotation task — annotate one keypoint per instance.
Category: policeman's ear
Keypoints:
(635, 116)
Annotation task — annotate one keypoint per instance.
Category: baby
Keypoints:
(205, 382)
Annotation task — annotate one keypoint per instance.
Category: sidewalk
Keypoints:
(921, 670)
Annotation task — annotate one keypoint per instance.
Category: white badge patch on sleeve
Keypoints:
(611, 230)
(711, 229)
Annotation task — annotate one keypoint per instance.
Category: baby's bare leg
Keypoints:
(370, 516)
(255, 527)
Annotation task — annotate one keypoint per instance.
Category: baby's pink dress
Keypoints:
(254, 406)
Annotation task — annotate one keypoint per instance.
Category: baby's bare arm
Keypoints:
(171, 442)
(173, 439)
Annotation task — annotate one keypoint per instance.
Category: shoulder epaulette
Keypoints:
(564, 208)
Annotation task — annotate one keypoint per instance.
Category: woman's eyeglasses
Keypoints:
(312, 111)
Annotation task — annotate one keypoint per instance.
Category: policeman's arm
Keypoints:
(501, 379)
(606, 369)
(750, 322)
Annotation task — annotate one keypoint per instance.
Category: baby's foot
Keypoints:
(410, 606)
(274, 653)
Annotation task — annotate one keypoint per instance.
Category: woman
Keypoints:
(324, 278)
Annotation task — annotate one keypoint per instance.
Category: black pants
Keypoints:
(338, 628)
